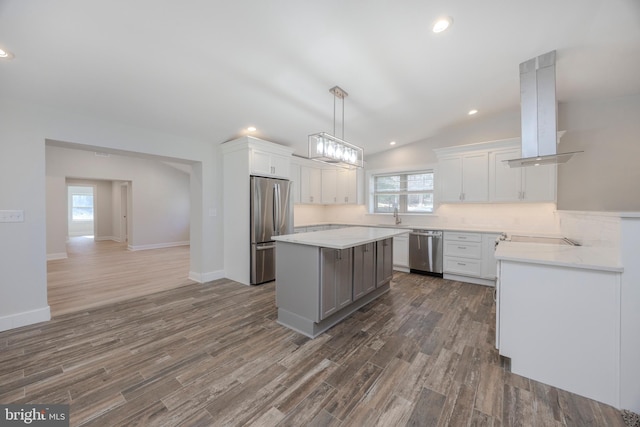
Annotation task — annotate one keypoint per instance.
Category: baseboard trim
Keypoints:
(157, 246)
(25, 318)
(102, 238)
(467, 279)
(206, 277)
(58, 255)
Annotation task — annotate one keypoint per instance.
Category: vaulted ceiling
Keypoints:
(208, 69)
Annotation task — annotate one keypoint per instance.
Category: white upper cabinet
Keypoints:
(310, 185)
(464, 178)
(265, 163)
(478, 173)
(329, 186)
(528, 184)
(341, 186)
(294, 177)
(263, 158)
(347, 189)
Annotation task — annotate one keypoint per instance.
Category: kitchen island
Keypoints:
(323, 277)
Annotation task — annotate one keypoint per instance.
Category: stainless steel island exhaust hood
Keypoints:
(539, 113)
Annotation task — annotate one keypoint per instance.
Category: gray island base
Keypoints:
(323, 277)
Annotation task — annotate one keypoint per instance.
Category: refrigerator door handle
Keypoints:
(276, 209)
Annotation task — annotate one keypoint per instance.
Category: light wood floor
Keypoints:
(421, 355)
(99, 273)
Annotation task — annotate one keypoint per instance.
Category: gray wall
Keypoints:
(607, 175)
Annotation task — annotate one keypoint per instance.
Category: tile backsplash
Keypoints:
(591, 228)
(539, 218)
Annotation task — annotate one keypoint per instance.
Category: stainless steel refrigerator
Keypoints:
(271, 215)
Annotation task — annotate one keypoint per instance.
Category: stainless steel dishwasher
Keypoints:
(425, 252)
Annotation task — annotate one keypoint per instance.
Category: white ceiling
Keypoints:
(208, 69)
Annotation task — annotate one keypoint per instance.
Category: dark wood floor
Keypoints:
(213, 355)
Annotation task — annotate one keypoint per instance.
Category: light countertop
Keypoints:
(409, 227)
(341, 238)
(592, 258)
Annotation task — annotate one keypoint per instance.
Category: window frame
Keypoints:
(93, 207)
(403, 193)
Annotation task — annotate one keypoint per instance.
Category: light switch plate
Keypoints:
(12, 216)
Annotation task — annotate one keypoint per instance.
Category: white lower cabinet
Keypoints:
(561, 325)
(401, 253)
(469, 257)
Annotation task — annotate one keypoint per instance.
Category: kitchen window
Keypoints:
(410, 192)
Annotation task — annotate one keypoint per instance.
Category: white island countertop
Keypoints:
(591, 258)
(341, 238)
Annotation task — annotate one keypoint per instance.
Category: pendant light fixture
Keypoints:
(327, 148)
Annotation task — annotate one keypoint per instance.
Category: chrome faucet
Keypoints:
(396, 216)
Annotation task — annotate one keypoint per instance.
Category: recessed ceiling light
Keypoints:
(472, 112)
(5, 54)
(251, 129)
(392, 143)
(442, 24)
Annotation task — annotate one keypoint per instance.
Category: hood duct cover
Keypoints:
(539, 113)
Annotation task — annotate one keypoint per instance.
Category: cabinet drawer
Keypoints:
(463, 266)
(462, 237)
(463, 249)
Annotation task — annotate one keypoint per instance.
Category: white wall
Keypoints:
(56, 208)
(23, 131)
(160, 193)
(475, 129)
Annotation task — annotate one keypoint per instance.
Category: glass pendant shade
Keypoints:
(326, 148)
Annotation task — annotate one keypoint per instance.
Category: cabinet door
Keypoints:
(347, 186)
(450, 172)
(539, 183)
(504, 182)
(363, 270)
(475, 177)
(344, 278)
(310, 185)
(280, 166)
(401, 251)
(342, 184)
(260, 163)
(294, 176)
(384, 261)
(329, 186)
(328, 300)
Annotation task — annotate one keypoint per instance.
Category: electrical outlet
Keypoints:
(12, 216)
